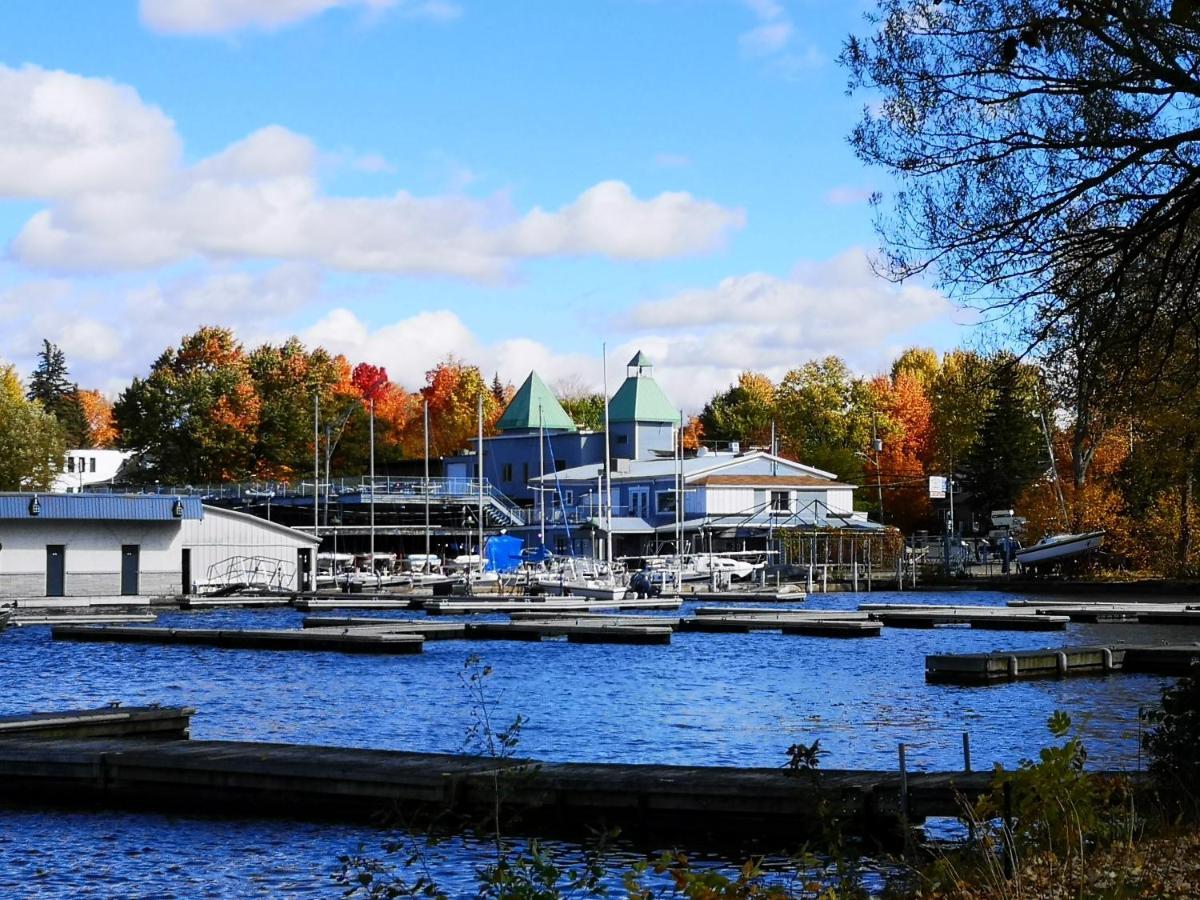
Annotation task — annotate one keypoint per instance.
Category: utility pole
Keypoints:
(425, 486)
(877, 445)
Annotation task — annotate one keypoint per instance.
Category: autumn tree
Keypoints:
(904, 425)
(960, 395)
(31, 442)
(823, 417)
(287, 378)
(452, 389)
(98, 419)
(195, 417)
(1036, 143)
(744, 412)
(584, 405)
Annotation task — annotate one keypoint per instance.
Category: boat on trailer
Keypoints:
(1057, 547)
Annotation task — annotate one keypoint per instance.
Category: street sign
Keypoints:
(937, 487)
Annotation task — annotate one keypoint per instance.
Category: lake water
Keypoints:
(705, 699)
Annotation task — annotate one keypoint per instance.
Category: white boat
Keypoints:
(1056, 547)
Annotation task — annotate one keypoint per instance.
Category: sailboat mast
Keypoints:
(479, 477)
(316, 468)
(1062, 502)
(679, 502)
(425, 485)
(372, 485)
(608, 541)
(542, 475)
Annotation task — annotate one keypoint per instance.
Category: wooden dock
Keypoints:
(459, 607)
(159, 723)
(81, 763)
(1060, 662)
(1108, 613)
(992, 618)
(197, 602)
(345, 641)
(794, 625)
(574, 632)
(310, 603)
(86, 619)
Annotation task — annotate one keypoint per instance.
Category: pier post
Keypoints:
(966, 752)
(903, 787)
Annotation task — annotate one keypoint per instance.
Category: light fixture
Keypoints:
(35, 505)
(177, 508)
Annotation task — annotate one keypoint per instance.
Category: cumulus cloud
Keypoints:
(773, 33)
(120, 199)
(214, 17)
(836, 306)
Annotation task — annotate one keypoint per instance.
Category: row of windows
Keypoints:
(80, 464)
(506, 471)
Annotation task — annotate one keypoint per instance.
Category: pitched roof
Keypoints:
(771, 481)
(120, 507)
(534, 397)
(640, 399)
(640, 360)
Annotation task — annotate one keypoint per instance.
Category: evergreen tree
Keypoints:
(498, 390)
(1011, 451)
(51, 385)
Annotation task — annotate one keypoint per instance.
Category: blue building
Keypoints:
(554, 472)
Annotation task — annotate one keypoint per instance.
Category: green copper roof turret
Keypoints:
(639, 398)
(522, 412)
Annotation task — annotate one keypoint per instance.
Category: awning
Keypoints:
(624, 525)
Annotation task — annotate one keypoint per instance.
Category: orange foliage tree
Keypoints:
(452, 389)
(905, 428)
(98, 416)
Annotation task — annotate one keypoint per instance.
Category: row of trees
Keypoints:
(209, 410)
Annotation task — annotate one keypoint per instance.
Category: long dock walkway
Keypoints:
(136, 766)
(343, 641)
(1060, 662)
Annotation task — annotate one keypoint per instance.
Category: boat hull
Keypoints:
(1071, 545)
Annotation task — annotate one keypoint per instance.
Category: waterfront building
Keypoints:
(94, 545)
(89, 468)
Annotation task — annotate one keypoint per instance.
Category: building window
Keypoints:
(568, 498)
(665, 501)
(70, 464)
(92, 464)
(779, 501)
(559, 465)
(560, 545)
(506, 472)
(525, 473)
(622, 439)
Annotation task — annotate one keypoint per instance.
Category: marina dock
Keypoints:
(1060, 662)
(250, 778)
(345, 641)
(992, 618)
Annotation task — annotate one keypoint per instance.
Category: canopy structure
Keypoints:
(534, 406)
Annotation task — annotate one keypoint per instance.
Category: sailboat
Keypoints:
(602, 583)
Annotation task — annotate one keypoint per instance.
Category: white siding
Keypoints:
(729, 500)
(92, 552)
(223, 534)
(841, 500)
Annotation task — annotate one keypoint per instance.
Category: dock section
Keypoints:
(146, 722)
(344, 641)
(1060, 662)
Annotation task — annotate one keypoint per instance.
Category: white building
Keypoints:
(99, 545)
(86, 468)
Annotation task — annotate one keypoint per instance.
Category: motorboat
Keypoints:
(6, 614)
(1056, 547)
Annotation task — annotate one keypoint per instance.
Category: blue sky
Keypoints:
(513, 183)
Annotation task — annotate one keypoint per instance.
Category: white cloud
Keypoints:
(766, 39)
(672, 160)
(773, 33)
(848, 195)
(703, 338)
(214, 17)
(119, 199)
(65, 135)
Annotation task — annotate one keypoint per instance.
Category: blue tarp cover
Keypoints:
(503, 553)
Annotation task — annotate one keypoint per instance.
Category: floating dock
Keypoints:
(244, 778)
(158, 723)
(992, 618)
(459, 607)
(574, 632)
(1060, 662)
(310, 603)
(346, 641)
(795, 625)
(86, 619)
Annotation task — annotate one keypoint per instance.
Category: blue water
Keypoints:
(705, 699)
